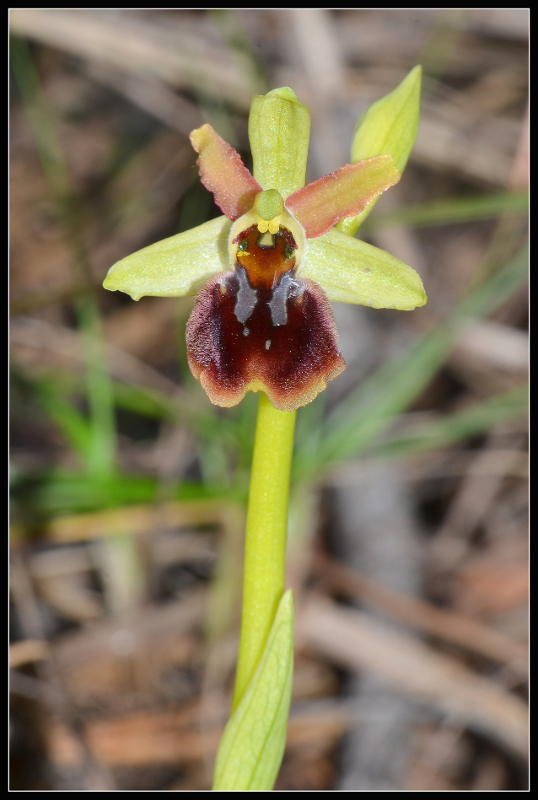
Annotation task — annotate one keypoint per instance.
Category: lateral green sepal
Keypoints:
(174, 267)
(351, 271)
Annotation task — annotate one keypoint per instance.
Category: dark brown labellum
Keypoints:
(261, 328)
(290, 362)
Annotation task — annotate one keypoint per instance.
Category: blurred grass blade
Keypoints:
(446, 212)
(146, 402)
(40, 119)
(102, 453)
(72, 424)
(254, 739)
(451, 428)
(442, 41)
(488, 296)
(155, 404)
(233, 440)
(54, 493)
(228, 21)
(359, 419)
(100, 456)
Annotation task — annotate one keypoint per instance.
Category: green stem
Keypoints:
(265, 543)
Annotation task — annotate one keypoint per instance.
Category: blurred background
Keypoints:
(408, 518)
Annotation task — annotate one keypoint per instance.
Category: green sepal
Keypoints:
(388, 127)
(174, 267)
(279, 132)
(351, 271)
(252, 746)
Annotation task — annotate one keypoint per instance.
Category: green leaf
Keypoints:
(73, 425)
(447, 212)
(174, 267)
(279, 131)
(388, 127)
(254, 739)
(451, 428)
(351, 271)
(54, 492)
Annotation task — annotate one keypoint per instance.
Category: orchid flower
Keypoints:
(265, 274)
(266, 271)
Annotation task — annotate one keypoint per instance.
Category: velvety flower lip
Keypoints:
(291, 362)
(266, 271)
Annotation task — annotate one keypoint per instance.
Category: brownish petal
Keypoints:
(344, 193)
(223, 173)
(291, 361)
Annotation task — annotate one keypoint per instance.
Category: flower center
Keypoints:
(267, 253)
(264, 267)
(265, 246)
(265, 256)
